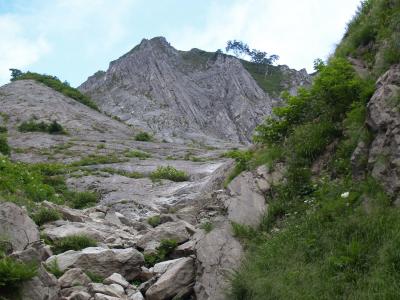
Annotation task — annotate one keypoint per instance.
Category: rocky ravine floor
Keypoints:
(196, 213)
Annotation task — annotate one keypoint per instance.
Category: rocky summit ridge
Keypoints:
(186, 95)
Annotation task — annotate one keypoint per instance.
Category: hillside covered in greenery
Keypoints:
(328, 234)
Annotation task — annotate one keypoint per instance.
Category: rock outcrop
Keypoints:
(16, 226)
(383, 120)
(101, 261)
(181, 96)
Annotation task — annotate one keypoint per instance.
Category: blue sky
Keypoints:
(72, 39)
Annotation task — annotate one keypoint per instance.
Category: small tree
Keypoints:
(238, 48)
(15, 73)
(258, 57)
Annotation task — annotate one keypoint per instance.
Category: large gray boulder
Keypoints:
(118, 279)
(74, 277)
(218, 254)
(101, 261)
(246, 204)
(16, 226)
(178, 276)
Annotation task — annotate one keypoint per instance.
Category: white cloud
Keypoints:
(68, 28)
(298, 31)
(16, 50)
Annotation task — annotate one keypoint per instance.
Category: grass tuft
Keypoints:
(169, 173)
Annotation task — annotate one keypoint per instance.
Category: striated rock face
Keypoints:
(194, 95)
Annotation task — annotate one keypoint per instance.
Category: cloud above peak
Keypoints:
(17, 50)
(298, 31)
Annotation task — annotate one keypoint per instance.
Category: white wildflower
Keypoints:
(345, 195)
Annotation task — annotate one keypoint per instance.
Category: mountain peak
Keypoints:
(182, 95)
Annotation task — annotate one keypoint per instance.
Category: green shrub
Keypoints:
(138, 154)
(154, 221)
(207, 226)
(54, 269)
(169, 173)
(73, 242)
(82, 199)
(308, 141)
(4, 147)
(3, 129)
(143, 137)
(97, 160)
(243, 232)
(62, 87)
(55, 128)
(44, 215)
(242, 159)
(165, 248)
(34, 126)
(13, 273)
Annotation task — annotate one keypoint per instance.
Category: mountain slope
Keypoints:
(194, 95)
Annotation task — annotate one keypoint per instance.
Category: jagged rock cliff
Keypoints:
(181, 96)
(381, 155)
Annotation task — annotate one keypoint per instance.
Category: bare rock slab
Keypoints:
(177, 277)
(74, 277)
(118, 279)
(101, 261)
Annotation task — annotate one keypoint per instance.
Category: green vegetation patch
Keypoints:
(28, 184)
(98, 160)
(169, 173)
(270, 78)
(54, 269)
(73, 242)
(373, 35)
(137, 153)
(143, 137)
(154, 221)
(4, 147)
(13, 273)
(34, 126)
(45, 215)
(163, 251)
(207, 226)
(82, 200)
(242, 159)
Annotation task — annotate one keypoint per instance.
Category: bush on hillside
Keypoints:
(143, 137)
(165, 248)
(169, 173)
(73, 242)
(13, 273)
(34, 126)
(81, 200)
(4, 147)
(45, 215)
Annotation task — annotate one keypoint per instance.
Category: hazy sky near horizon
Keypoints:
(73, 39)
